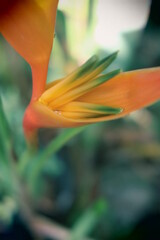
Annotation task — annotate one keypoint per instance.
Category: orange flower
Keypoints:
(87, 96)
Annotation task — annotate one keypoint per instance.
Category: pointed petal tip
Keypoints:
(115, 53)
(105, 62)
(94, 57)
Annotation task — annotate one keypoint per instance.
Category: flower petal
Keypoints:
(71, 81)
(25, 26)
(129, 91)
(83, 107)
(38, 115)
(81, 90)
(28, 26)
(87, 72)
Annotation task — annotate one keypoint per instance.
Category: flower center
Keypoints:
(63, 96)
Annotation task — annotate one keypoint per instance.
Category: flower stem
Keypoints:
(39, 162)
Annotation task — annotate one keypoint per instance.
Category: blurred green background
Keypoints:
(105, 182)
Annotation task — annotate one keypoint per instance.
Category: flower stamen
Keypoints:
(62, 96)
(86, 87)
(87, 72)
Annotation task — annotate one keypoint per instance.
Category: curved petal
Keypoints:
(28, 26)
(129, 91)
(47, 7)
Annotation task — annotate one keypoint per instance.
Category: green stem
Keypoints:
(24, 161)
(53, 147)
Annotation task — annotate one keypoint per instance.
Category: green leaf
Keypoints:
(88, 220)
(5, 135)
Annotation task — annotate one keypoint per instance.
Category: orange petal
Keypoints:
(48, 7)
(38, 115)
(28, 26)
(129, 91)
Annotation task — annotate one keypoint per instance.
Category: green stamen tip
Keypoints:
(117, 110)
(87, 66)
(108, 110)
(107, 76)
(107, 60)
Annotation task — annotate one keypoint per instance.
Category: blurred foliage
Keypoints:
(117, 162)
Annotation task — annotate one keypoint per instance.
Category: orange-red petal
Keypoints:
(28, 26)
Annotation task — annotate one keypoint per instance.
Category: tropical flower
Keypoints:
(86, 95)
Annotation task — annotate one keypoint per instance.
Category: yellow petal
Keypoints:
(81, 90)
(87, 72)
